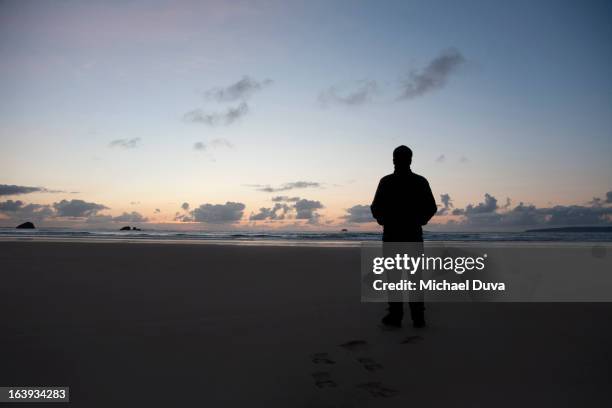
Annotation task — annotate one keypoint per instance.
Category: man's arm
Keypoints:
(377, 204)
(429, 204)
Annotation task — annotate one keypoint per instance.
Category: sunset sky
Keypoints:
(132, 106)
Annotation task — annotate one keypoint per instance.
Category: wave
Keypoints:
(301, 236)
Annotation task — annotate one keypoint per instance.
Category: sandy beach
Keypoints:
(154, 324)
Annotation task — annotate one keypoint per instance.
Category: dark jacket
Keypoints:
(402, 205)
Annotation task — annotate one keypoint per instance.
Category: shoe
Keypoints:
(392, 320)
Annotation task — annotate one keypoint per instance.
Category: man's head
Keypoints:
(402, 156)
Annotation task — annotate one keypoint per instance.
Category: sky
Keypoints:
(284, 114)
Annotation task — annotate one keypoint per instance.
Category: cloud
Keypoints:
(38, 212)
(301, 209)
(18, 210)
(489, 205)
(263, 214)
(599, 202)
(358, 214)
(357, 93)
(241, 90)
(237, 92)
(221, 142)
(576, 215)
(287, 186)
(89, 211)
(489, 214)
(285, 199)
(441, 159)
(596, 202)
(278, 212)
(227, 213)
(125, 143)
(77, 208)
(434, 76)
(231, 115)
(130, 217)
(213, 144)
(306, 209)
(10, 205)
(447, 203)
(11, 189)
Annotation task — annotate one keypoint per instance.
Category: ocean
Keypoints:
(296, 237)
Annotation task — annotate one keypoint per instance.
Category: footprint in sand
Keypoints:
(322, 358)
(323, 380)
(378, 390)
(412, 340)
(369, 364)
(354, 345)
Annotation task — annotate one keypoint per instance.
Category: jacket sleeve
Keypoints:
(429, 205)
(377, 204)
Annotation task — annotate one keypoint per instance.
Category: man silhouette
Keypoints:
(402, 205)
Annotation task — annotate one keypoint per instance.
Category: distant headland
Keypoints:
(573, 229)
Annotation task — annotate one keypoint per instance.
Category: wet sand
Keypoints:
(129, 324)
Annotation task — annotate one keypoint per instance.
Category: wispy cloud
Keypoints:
(417, 83)
(285, 198)
(285, 187)
(353, 94)
(240, 90)
(125, 143)
(231, 115)
(12, 189)
(434, 76)
(213, 144)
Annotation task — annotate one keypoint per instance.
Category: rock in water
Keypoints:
(26, 225)
(126, 228)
